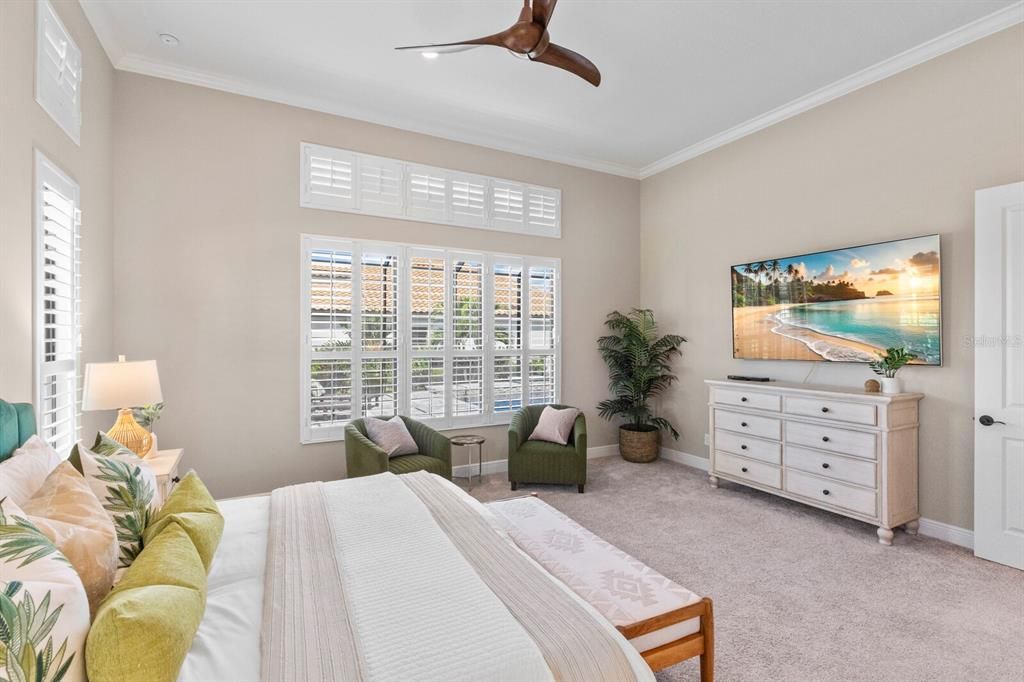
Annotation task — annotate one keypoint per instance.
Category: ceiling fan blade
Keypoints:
(542, 10)
(496, 39)
(564, 58)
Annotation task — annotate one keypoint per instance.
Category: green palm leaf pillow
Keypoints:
(44, 612)
(126, 487)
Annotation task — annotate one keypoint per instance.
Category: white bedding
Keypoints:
(227, 645)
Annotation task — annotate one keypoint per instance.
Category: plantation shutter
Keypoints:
(426, 193)
(331, 337)
(329, 178)
(58, 72)
(340, 180)
(58, 298)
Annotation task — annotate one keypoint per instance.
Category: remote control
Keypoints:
(738, 377)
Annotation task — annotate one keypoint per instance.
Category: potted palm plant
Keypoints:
(887, 365)
(639, 366)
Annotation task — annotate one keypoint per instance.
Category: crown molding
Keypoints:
(968, 33)
(976, 30)
(136, 64)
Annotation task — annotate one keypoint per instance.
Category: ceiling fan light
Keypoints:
(518, 55)
(430, 54)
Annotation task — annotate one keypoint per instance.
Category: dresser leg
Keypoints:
(713, 480)
(885, 536)
(910, 527)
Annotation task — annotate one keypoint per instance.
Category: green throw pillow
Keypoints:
(145, 626)
(191, 506)
(103, 445)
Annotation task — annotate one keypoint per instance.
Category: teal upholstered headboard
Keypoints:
(17, 425)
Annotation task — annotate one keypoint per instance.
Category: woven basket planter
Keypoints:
(639, 446)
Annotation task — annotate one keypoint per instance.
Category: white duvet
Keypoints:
(418, 600)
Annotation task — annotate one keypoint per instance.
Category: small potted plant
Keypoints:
(147, 416)
(887, 365)
(639, 369)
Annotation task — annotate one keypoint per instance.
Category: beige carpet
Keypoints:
(801, 594)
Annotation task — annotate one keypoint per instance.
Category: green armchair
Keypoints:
(535, 461)
(364, 458)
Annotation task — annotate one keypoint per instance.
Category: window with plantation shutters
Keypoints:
(58, 71)
(343, 180)
(448, 337)
(58, 336)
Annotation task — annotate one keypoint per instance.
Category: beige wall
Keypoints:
(207, 257)
(25, 126)
(897, 159)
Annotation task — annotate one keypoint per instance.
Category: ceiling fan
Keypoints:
(528, 37)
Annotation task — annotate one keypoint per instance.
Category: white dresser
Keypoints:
(840, 449)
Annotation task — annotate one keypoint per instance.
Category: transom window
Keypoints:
(449, 337)
(342, 180)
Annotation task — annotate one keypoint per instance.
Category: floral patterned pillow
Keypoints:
(44, 612)
(126, 487)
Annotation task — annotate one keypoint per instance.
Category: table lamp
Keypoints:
(121, 386)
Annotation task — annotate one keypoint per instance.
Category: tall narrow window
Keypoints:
(58, 71)
(449, 337)
(330, 338)
(58, 305)
(542, 335)
(379, 321)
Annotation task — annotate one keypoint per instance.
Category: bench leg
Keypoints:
(707, 659)
(515, 486)
(580, 488)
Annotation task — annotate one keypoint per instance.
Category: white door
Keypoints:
(999, 374)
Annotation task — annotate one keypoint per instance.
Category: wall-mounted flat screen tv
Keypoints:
(846, 305)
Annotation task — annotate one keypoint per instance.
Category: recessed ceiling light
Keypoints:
(431, 55)
(169, 39)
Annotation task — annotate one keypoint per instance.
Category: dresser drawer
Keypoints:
(832, 492)
(760, 401)
(755, 448)
(764, 427)
(831, 438)
(855, 413)
(747, 469)
(845, 469)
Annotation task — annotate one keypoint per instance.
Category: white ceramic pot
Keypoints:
(891, 385)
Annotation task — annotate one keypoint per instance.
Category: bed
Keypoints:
(418, 603)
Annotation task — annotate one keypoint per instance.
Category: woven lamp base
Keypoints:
(128, 433)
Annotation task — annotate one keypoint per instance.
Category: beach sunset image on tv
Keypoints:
(846, 305)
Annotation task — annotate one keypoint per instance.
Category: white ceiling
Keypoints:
(678, 76)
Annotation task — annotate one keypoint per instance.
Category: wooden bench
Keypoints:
(665, 622)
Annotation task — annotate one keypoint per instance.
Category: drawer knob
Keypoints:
(743, 399)
(743, 424)
(825, 465)
(824, 409)
(824, 439)
(743, 469)
(825, 492)
(176, 479)
(743, 447)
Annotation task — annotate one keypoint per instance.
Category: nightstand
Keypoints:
(165, 465)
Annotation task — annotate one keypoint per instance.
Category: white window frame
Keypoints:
(535, 198)
(48, 173)
(310, 243)
(51, 94)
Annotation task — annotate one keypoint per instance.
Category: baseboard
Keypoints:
(494, 466)
(497, 466)
(602, 451)
(947, 533)
(686, 459)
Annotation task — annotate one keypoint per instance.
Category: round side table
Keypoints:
(470, 440)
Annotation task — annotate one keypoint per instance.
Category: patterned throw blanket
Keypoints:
(342, 579)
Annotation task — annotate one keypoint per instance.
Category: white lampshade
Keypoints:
(113, 385)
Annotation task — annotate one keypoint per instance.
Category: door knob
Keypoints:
(986, 420)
